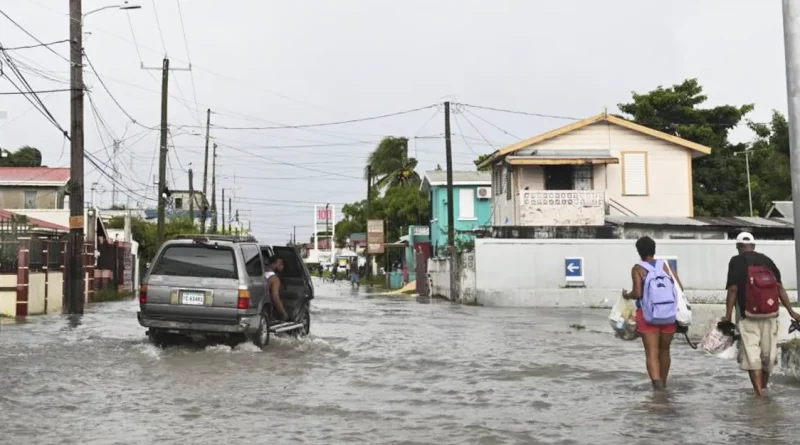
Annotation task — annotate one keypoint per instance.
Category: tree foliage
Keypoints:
(480, 160)
(26, 156)
(720, 179)
(400, 206)
(391, 165)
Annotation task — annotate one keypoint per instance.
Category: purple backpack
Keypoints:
(659, 299)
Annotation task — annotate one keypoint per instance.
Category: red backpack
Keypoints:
(761, 293)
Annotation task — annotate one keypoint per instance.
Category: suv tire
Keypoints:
(260, 338)
(304, 317)
(159, 339)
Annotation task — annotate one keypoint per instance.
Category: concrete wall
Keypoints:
(439, 278)
(36, 294)
(8, 299)
(55, 292)
(14, 197)
(530, 272)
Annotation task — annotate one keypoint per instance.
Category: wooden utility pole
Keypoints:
(451, 230)
(451, 234)
(162, 158)
(223, 210)
(367, 256)
(75, 258)
(230, 213)
(205, 169)
(214, 188)
(191, 196)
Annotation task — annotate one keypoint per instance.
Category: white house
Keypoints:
(603, 165)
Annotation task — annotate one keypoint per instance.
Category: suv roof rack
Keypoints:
(205, 237)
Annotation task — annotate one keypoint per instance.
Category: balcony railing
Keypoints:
(562, 207)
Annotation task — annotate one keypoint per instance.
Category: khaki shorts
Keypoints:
(758, 344)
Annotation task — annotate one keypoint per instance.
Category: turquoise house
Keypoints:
(472, 207)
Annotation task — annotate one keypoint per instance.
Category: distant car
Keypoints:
(214, 287)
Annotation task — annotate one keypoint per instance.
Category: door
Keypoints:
(254, 265)
(296, 286)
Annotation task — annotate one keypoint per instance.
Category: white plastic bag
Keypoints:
(623, 319)
(684, 317)
(716, 343)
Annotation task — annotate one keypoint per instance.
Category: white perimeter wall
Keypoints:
(531, 272)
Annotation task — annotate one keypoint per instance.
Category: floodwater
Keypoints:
(376, 370)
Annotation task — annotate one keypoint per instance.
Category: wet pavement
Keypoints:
(376, 370)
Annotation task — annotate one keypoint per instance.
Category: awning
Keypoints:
(563, 157)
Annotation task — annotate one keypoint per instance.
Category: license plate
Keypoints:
(193, 298)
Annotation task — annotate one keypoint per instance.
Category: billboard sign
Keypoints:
(376, 238)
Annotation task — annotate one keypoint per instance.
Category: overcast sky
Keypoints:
(267, 62)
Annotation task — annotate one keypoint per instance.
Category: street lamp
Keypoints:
(123, 7)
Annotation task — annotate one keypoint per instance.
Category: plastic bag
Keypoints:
(715, 342)
(684, 317)
(623, 319)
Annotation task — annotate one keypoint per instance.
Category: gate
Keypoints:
(422, 252)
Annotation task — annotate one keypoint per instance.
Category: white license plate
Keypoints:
(193, 298)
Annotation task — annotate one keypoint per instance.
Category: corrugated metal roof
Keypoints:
(21, 175)
(436, 177)
(739, 221)
(654, 220)
(784, 208)
(34, 222)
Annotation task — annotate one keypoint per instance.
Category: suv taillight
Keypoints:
(143, 294)
(243, 302)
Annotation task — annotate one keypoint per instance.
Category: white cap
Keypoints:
(745, 238)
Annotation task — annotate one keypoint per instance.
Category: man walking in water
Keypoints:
(754, 289)
(354, 272)
(656, 334)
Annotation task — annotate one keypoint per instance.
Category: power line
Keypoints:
(15, 48)
(158, 24)
(289, 163)
(9, 93)
(43, 44)
(323, 124)
(493, 125)
(188, 56)
(521, 112)
(114, 99)
(455, 118)
(478, 131)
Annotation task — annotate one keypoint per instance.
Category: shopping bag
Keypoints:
(718, 343)
(684, 317)
(623, 319)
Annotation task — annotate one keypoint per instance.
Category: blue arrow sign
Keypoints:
(573, 268)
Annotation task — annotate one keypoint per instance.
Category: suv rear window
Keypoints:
(197, 261)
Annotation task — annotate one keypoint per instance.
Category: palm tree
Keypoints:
(391, 165)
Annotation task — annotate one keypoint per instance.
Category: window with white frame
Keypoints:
(466, 203)
(634, 174)
(30, 199)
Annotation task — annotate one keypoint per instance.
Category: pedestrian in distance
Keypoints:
(354, 273)
(754, 290)
(653, 289)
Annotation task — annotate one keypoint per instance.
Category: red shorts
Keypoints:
(646, 328)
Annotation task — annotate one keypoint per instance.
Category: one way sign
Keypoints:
(573, 268)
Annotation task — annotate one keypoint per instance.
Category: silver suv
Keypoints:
(214, 287)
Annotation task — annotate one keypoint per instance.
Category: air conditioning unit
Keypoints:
(484, 192)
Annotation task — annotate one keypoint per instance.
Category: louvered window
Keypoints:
(508, 184)
(634, 174)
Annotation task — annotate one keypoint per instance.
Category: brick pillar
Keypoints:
(45, 264)
(89, 271)
(23, 275)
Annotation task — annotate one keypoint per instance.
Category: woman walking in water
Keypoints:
(656, 308)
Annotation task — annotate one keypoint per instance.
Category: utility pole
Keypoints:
(191, 196)
(747, 164)
(205, 169)
(223, 210)
(294, 235)
(230, 213)
(791, 37)
(116, 175)
(162, 158)
(368, 257)
(451, 232)
(214, 188)
(75, 287)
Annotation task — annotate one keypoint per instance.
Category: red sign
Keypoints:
(324, 214)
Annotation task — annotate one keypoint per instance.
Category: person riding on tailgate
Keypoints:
(275, 267)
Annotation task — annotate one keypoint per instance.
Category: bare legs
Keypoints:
(656, 350)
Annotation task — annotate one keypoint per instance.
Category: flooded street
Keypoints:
(375, 371)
